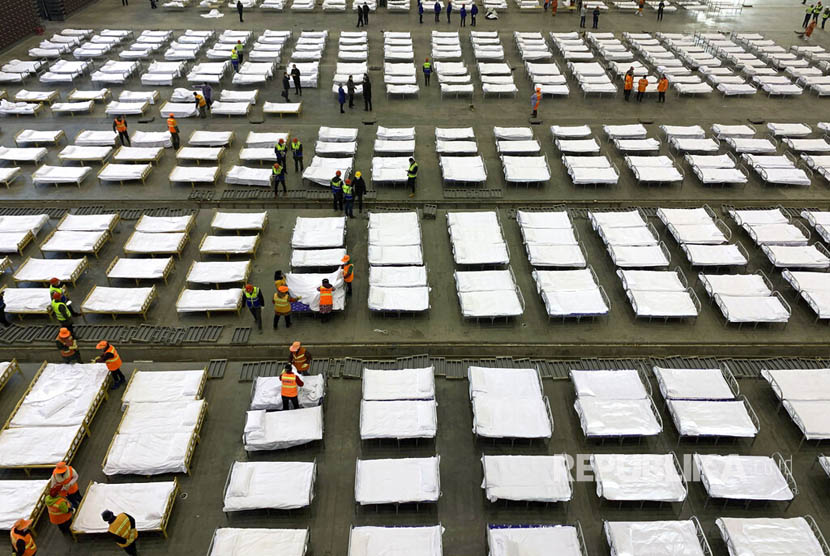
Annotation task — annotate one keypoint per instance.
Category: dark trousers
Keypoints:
(359, 201)
(596, 23)
(3, 320)
(153, 4)
(661, 96)
(338, 200)
(174, 137)
(285, 94)
(823, 21)
(659, 15)
(437, 16)
(582, 21)
(235, 64)
(410, 183)
(74, 358)
(463, 20)
(131, 549)
(298, 89)
(288, 402)
(277, 181)
(448, 16)
(341, 108)
(64, 527)
(351, 100)
(534, 113)
(426, 79)
(298, 163)
(240, 16)
(366, 18)
(626, 94)
(125, 2)
(360, 20)
(640, 95)
(277, 320)
(472, 20)
(118, 377)
(203, 111)
(74, 499)
(806, 20)
(367, 103)
(348, 207)
(348, 288)
(420, 18)
(124, 136)
(256, 312)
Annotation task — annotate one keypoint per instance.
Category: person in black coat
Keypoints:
(350, 88)
(286, 85)
(239, 8)
(367, 93)
(359, 17)
(295, 75)
(365, 13)
(5, 322)
(359, 186)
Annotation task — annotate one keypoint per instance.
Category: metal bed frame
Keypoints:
(679, 469)
(753, 416)
(397, 505)
(779, 461)
(701, 536)
(564, 504)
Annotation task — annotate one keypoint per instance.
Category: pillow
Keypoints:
(240, 481)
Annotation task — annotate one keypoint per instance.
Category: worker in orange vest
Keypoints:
(109, 356)
(59, 508)
(629, 83)
(662, 87)
(122, 529)
(535, 99)
(173, 128)
(299, 357)
(66, 477)
(290, 383)
(67, 346)
(326, 299)
(641, 88)
(119, 125)
(348, 273)
(23, 543)
(201, 104)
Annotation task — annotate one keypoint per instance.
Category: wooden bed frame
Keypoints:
(142, 179)
(177, 253)
(82, 267)
(144, 106)
(46, 313)
(61, 135)
(107, 96)
(260, 230)
(111, 228)
(99, 160)
(193, 184)
(152, 161)
(27, 238)
(114, 139)
(9, 373)
(230, 140)
(165, 519)
(165, 273)
(60, 183)
(89, 108)
(143, 312)
(217, 284)
(54, 95)
(199, 393)
(198, 161)
(228, 255)
(105, 236)
(8, 182)
(236, 309)
(285, 113)
(39, 108)
(5, 264)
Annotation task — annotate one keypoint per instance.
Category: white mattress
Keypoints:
(645, 477)
(398, 299)
(116, 300)
(742, 477)
(403, 384)
(146, 502)
(268, 392)
(641, 538)
(18, 499)
(124, 172)
(148, 453)
(621, 384)
(218, 272)
(278, 430)
(383, 541)
(305, 285)
(799, 384)
(526, 478)
(321, 232)
(250, 485)
(753, 308)
(27, 300)
(712, 418)
(191, 301)
(614, 417)
(235, 245)
(151, 139)
(490, 304)
(60, 174)
(163, 386)
(41, 270)
(714, 255)
(810, 416)
(194, 174)
(36, 445)
(156, 243)
(400, 480)
(397, 276)
(259, 542)
(201, 138)
(463, 169)
(693, 384)
(763, 536)
(662, 304)
(534, 540)
(398, 419)
(137, 268)
(496, 416)
(163, 224)
(525, 169)
(239, 220)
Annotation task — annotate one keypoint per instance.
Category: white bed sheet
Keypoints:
(769, 536)
(383, 541)
(259, 542)
(268, 392)
(398, 419)
(693, 384)
(193, 301)
(623, 384)
(251, 485)
(41, 270)
(239, 220)
(641, 538)
(526, 478)
(155, 243)
(495, 416)
(811, 417)
(600, 417)
(742, 477)
(399, 480)
(163, 386)
(146, 502)
(712, 418)
(116, 300)
(278, 430)
(18, 500)
(646, 477)
(799, 384)
(403, 384)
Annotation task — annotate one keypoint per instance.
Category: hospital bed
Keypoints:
(149, 503)
(115, 108)
(713, 419)
(218, 272)
(239, 221)
(399, 419)
(716, 255)
(88, 222)
(153, 243)
(138, 269)
(139, 155)
(229, 245)
(70, 242)
(656, 478)
(543, 479)
(319, 233)
(194, 175)
(813, 288)
(458, 170)
(114, 301)
(420, 541)
(754, 535)
(21, 499)
(526, 414)
(23, 154)
(477, 238)
(660, 294)
(164, 386)
(246, 487)
(207, 301)
(228, 540)
(72, 108)
(278, 430)
(398, 384)
(201, 138)
(96, 138)
(20, 108)
(37, 137)
(746, 478)
(397, 481)
(322, 169)
(46, 97)
(197, 154)
(681, 536)
(564, 540)
(43, 270)
(571, 293)
(15, 242)
(815, 257)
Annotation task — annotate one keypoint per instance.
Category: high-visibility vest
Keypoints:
(809, 9)
(172, 125)
(336, 184)
(276, 170)
(28, 539)
(347, 191)
(121, 527)
(55, 289)
(662, 85)
(114, 363)
(252, 295)
(412, 171)
(70, 474)
(234, 54)
(348, 273)
(297, 149)
(61, 310)
(59, 509)
(200, 100)
(289, 385)
(817, 10)
(69, 348)
(325, 296)
(826, 13)
(280, 148)
(641, 85)
(120, 125)
(629, 82)
(427, 67)
(282, 303)
(300, 361)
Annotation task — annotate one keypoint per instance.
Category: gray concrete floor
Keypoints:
(463, 510)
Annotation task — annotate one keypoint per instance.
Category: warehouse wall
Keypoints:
(19, 19)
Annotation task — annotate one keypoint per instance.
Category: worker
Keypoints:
(67, 346)
(297, 152)
(412, 176)
(23, 543)
(109, 356)
(554, 5)
(55, 286)
(367, 93)
(277, 178)
(348, 273)
(254, 302)
(808, 32)
(239, 8)
(173, 128)
(595, 13)
(201, 104)
(286, 86)
(660, 8)
(326, 299)
(350, 89)
(299, 357)
(420, 12)
(62, 312)
(582, 12)
(336, 184)
(295, 76)
(640, 6)
(348, 198)
(282, 305)
(535, 99)
(641, 88)
(281, 149)
(427, 71)
(4, 320)
(290, 383)
(817, 11)
(66, 477)
(341, 97)
(359, 185)
(365, 13)
(235, 59)
(240, 51)
(123, 530)
(119, 125)
(473, 14)
(807, 15)
(662, 87)
(463, 14)
(449, 10)
(824, 16)
(359, 17)
(207, 92)
(629, 83)
(59, 508)
(437, 9)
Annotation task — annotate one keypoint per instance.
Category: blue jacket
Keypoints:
(420, 8)
(341, 95)
(437, 8)
(463, 11)
(474, 9)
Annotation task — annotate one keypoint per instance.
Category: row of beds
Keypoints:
(151, 249)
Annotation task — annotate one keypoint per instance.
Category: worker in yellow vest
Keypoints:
(282, 306)
(290, 382)
(23, 543)
(109, 356)
(201, 104)
(122, 529)
(254, 302)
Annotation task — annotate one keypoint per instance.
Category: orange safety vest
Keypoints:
(325, 296)
(59, 510)
(629, 82)
(289, 385)
(300, 361)
(348, 273)
(121, 527)
(69, 349)
(641, 85)
(31, 547)
(70, 474)
(172, 124)
(120, 125)
(662, 85)
(115, 363)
